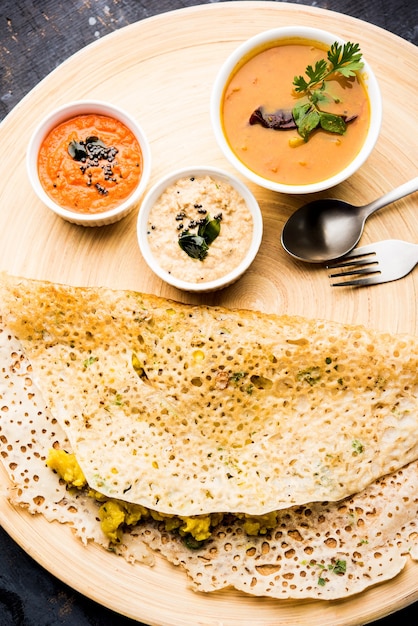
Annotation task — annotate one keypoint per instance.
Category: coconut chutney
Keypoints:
(184, 208)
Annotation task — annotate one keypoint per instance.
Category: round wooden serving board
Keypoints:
(161, 70)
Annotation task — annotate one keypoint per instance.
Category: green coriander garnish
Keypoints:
(338, 567)
(237, 376)
(342, 59)
(311, 375)
(358, 447)
(90, 360)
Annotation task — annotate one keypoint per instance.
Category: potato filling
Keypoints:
(118, 515)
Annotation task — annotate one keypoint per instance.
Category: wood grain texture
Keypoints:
(161, 71)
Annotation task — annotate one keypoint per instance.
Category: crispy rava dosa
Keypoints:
(191, 410)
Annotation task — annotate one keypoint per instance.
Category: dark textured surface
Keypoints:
(35, 37)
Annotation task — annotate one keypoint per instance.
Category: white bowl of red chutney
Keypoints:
(89, 162)
(255, 85)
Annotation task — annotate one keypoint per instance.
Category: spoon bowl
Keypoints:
(323, 230)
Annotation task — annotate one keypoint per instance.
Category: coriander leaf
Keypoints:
(236, 376)
(350, 70)
(345, 59)
(332, 123)
(340, 567)
(300, 84)
(193, 245)
(317, 73)
(357, 446)
(90, 360)
(311, 375)
(319, 95)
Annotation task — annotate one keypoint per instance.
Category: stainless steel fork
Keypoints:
(376, 263)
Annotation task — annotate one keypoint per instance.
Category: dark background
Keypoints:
(35, 37)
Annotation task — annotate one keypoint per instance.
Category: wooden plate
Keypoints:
(161, 70)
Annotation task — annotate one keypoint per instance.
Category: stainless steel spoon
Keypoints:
(323, 230)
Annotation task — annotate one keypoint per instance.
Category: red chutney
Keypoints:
(90, 163)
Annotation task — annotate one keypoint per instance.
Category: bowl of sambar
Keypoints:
(296, 109)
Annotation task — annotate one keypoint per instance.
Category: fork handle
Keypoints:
(396, 194)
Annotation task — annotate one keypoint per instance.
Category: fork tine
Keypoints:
(357, 262)
(352, 258)
(374, 279)
(356, 272)
(381, 262)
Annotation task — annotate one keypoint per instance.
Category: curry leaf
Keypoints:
(332, 123)
(95, 140)
(77, 150)
(300, 110)
(80, 150)
(194, 245)
(209, 229)
(307, 122)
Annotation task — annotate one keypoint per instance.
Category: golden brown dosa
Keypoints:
(317, 550)
(191, 410)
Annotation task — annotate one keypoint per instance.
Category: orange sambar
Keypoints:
(90, 163)
(266, 80)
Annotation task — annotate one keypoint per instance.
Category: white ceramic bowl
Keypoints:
(154, 194)
(64, 113)
(248, 49)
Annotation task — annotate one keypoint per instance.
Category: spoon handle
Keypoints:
(391, 196)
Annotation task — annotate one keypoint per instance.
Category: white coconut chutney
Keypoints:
(181, 209)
